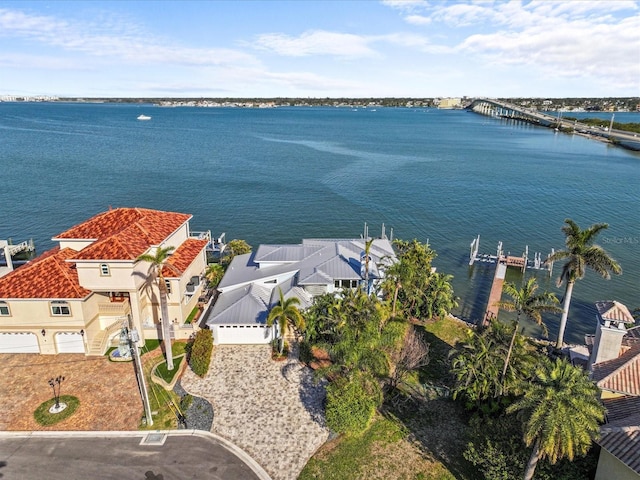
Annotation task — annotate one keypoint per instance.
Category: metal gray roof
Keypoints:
(243, 306)
(284, 253)
(250, 284)
(243, 270)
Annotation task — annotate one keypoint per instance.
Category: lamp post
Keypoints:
(133, 341)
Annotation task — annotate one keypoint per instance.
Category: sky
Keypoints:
(306, 48)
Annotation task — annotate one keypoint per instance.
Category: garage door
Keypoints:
(69, 342)
(21, 342)
(241, 334)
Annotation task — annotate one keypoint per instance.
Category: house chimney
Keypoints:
(611, 319)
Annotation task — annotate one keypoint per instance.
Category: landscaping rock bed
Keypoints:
(199, 415)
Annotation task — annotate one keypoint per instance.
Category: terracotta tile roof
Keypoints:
(127, 244)
(621, 375)
(124, 233)
(614, 311)
(632, 337)
(48, 276)
(623, 443)
(158, 224)
(183, 257)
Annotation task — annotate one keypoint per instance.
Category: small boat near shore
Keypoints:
(144, 117)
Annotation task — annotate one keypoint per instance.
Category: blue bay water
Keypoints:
(280, 175)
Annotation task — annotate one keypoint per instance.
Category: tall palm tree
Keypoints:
(285, 312)
(581, 253)
(158, 261)
(562, 413)
(525, 301)
(367, 259)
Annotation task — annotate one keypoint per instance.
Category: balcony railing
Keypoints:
(114, 309)
(201, 235)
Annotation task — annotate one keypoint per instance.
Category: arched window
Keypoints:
(4, 309)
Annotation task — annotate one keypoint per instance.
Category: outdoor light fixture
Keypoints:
(43, 332)
(82, 332)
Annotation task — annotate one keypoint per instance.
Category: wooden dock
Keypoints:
(496, 292)
(503, 261)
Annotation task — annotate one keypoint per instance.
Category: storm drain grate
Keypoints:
(154, 439)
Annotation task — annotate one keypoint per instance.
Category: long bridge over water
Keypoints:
(498, 108)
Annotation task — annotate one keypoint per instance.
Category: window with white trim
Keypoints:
(4, 309)
(104, 270)
(60, 309)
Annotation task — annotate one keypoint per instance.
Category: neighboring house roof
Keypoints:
(632, 337)
(119, 234)
(49, 276)
(622, 411)
(124, 233)
(614, 311)
(623, 443)
(158, 225)
(183, 257)
(621, 375)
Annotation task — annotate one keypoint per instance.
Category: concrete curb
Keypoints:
(237, 451)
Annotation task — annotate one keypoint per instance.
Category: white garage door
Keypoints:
(21, 342)
(241, 334)
(69, 342)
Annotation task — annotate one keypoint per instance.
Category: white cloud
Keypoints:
(112, 39)
(418, 20)
(580, 48)
(316, 42)
(405, 5)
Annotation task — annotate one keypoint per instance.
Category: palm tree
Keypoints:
(476, 368)
(581, 253)
(525, 301)
(367, 259)
(440, 297)
(285, 312)
(158, 261)
(214, 273)
(562, 413)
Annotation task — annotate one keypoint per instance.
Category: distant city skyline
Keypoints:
(391, 48)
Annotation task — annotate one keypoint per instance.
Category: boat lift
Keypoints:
(522, 262)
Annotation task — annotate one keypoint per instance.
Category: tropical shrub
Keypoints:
(352, 403)
(200, 352)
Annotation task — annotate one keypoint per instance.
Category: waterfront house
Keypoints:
(75, 297)
(615, 367)
(251, 284)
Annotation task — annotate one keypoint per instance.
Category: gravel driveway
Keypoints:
(272, 410)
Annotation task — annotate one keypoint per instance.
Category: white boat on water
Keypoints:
(144, 117)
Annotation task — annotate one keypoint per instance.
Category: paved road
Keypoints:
(122, 456)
